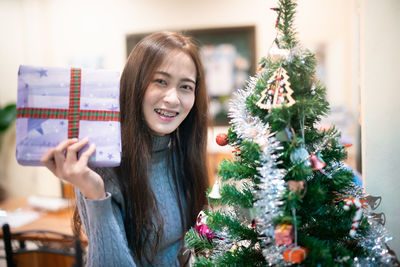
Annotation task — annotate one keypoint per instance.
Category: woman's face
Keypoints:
(170, 95)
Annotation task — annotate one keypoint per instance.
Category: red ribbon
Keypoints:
(74, 114)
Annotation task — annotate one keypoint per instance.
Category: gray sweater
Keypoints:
(103, 219)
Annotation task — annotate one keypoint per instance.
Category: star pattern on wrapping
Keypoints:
(113, 108)
(42, 72)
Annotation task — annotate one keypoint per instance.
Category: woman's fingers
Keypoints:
(72, 151)
(59, 154)
(48, 160)
(86, 155)
(63, 162)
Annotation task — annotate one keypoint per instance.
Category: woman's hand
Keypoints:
(62, 160)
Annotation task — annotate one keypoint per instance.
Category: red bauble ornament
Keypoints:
(222, 139)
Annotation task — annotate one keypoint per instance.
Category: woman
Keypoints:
(137, 214)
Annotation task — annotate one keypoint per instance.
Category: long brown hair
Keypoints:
(143, 222)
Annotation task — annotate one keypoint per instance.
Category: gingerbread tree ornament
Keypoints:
(278, 91)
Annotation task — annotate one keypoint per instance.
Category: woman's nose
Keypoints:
(171, 96)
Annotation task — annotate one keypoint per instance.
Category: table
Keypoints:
(59, 222)
(55, 221)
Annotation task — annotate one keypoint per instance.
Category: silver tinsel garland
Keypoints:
(272, 185)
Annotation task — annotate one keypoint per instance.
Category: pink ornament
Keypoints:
(317, 163)
(204, 231)
(284, 234)
(202, 228)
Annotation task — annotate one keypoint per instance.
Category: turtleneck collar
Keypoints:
(160, 143)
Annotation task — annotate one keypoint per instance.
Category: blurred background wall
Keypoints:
(93, 34)
(380, 94)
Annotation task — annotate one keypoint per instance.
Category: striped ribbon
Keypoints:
(74, 114)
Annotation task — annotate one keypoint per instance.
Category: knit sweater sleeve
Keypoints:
(103, 223)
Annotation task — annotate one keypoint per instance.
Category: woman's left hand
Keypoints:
(63, 161)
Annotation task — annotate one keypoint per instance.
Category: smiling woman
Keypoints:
(170, 95)
(138, 213)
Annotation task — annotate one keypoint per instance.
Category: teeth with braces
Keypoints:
(166, 114)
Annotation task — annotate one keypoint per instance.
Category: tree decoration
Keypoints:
(295, 254)
(379, 217)
(344, 146)
(278, 10)
(276, 53)
(222, 139)
(284, 234)
(278, 91)
(317, 163)
(286, 135)
(300, 156)
(215, 194)
(357, 216)
(299, 187)
(373, 201)
(202, 228)
(201, 218)
(313, 88)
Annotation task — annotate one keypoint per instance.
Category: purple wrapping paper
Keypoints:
(48, 87)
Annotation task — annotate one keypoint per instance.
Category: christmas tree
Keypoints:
(286, 197)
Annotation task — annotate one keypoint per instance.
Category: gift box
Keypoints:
(54, 104)
(296, 254)
(284, 234)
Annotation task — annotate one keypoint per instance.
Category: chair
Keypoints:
(41, 249)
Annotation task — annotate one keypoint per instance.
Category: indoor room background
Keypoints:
(355, 42)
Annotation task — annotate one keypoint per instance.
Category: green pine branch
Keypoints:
(202, 261)
(249, 154)
(231, 196)
(235, 170)
(286, 23)
(196, 242)
(219, 222)
(241, 257)
(245, 164)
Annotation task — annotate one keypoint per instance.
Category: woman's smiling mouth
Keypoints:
(164, 113)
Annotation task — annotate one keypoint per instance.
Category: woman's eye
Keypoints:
(161, 81)
(187, 87)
